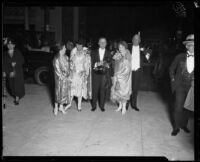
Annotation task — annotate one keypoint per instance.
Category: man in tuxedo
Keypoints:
(100, 76)
(181, 74)
(138, 57)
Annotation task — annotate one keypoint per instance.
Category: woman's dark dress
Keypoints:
(16, 84)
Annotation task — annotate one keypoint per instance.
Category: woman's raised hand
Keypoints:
(13, 64)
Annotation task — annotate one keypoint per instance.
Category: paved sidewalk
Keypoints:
(31, 129)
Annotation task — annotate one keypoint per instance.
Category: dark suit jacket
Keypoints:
(178, 72)
(95, 58)
(17, 84)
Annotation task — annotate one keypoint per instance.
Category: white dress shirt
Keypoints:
(101, 53)
(190, 63)
(135, 58)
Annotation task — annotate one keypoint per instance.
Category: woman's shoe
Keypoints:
(67, 107)
(55, 111)
(119, 108)
(16, 102)
(79, 108)
(175, 132)
(61, 109)
(123, 109)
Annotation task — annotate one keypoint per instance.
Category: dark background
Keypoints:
(154, 21)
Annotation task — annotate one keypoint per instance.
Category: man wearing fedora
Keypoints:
(181, 74)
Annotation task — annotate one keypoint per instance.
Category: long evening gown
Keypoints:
(121, 91)
(62, 81)
(80, 74)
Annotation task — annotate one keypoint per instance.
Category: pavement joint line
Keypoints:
(84, 140)
(33, 137)
(142, 145)
(89, 135)
(131, 124)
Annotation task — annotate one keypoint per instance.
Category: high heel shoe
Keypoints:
(61, 109)
(67, 107)
(79, 108)
(119, 108)
(55, 111)
(123, 110)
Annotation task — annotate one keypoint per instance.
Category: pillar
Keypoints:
(26, 23)
(75, 23)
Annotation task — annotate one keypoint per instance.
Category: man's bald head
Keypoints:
(136, 40)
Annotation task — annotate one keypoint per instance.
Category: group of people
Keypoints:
(89, 74)
(72, 76)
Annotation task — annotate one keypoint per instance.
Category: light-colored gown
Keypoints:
(121, 91)
(189, 101)
(80, 75)
(62, 82)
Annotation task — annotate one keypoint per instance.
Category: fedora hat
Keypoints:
(189, 39)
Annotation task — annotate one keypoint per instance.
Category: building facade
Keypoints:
(64, 22)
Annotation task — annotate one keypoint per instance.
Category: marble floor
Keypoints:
(31, 129)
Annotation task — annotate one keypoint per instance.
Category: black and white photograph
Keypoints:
(96, 80)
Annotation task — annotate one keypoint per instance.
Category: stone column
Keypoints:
(46, 18)
(26, 20)
(56, 22)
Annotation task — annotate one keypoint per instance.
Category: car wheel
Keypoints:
(42, 75)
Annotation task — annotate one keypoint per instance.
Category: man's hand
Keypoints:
(4, 74)
(100, 63)
(12, 74)
(13, 64)
(5, 41)
(172, 79)
(107, 65)
(28, 47)
(97, 64)
(147, 56)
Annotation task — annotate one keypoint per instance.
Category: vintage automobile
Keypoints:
(38, 64)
